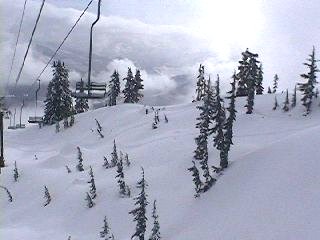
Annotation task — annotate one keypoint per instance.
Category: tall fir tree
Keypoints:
(114, 88)
(307, 88)
(285, 107)
(46, 196)
(139, 213)
(15, 172)
(259, 81)
(228, 126)
(93, 189)
(294, 97)
(80, 163)
(114, 155)
(201, 84)
(219, 118)
(242, 85)
(269, 90)
(89, 200)
(123, 188)
(128, 90)
(247, 78)
(275, 83)
(58, 103)
(204, 120)
(138, 87)
(275, 106)
(155, 234)
(106, 231)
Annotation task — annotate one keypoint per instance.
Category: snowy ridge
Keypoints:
(274, 175)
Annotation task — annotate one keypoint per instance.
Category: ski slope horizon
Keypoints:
(268, 192)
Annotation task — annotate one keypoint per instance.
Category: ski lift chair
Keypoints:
(36, 119)
(20, 125)
(13, 126)
(91, 90)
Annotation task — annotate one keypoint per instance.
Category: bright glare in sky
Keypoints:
(230, 23)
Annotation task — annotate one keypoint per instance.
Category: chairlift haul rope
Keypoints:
(30, 41)
(59, 47)
(17, 40)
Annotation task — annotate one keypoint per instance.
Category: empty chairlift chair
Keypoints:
(12, 124)
(20, 125)
(36, 119)
(91, 90)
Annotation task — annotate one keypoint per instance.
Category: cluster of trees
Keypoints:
(214, 120)
(59, 103)
(249, 78)
(307, 88)
(132, 91)
(139, 213)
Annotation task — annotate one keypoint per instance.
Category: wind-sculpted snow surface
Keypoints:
(270, 191)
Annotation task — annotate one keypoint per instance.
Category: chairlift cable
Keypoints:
(63, 41)
(29, 44)
(16, 44)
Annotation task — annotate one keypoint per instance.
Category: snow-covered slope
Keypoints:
(270, 191)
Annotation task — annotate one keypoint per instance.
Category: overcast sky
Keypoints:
(166, 39)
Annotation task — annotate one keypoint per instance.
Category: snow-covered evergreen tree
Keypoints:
(15, 172)
(138, 86)
(89, 200)
(81, 105)
(93, 190)
(127, 161)
(228, 126)
(294, 97)
(120, 178)
(114, 155)
(201, 84)
(99, 128)
(46, 196)
(196, 178)
(259, 85)
(106, 231)
(275, 83)
(129, 88)
(247, 78)
(242, 85)
(10, 198)
(285, 107)
(204, 120)
(219, 118)
(139, 213)
(80, 163)
(68, 169)
(155, 234)
(114, 88)
(275, 106)
(166, 118)
(58, 101)
(307, 88)
(106, 163)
